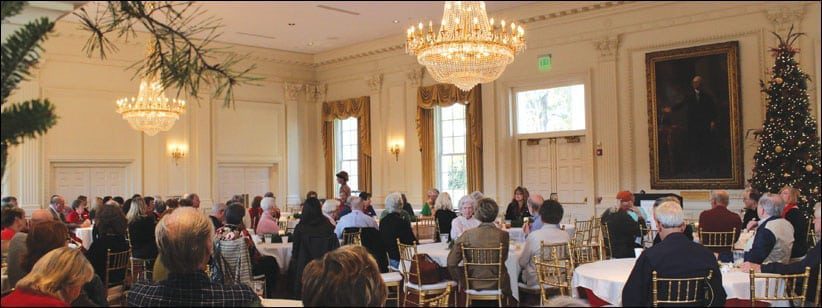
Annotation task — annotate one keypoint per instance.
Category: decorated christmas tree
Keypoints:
(788, 153)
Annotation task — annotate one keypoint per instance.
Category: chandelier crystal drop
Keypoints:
(468, 49)
(151, 111)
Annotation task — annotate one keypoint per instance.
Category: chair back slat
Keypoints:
(426, 227)
(482, 258)
(717, 239)
(679, 291)
(606, 242)
(407, 255)
(437, 301)
(352, 237)
(555, 273)
(116, 261)
(784, 287)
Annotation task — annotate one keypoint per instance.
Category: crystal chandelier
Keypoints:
(151, 111)
(468, 48)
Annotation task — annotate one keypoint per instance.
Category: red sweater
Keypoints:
(719, 219)
(20, 298)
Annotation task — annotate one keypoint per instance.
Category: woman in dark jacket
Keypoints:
(110, 225)
(312, 238)
(141, 223)
(394, 227)
(518, 208)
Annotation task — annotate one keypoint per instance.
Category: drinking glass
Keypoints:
(259, 288)
(285, 239)
(268, 238)
(444, 238)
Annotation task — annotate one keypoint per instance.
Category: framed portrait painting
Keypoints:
(694, 117)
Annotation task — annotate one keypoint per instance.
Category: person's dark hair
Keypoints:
(110, 220)
(234, 213)
(364, 196)
(348, 276)
(551, 212)
(119, 200)
(754, 194)
(106, 198)
(343, 175)
(525, 195)
(159, 206)
(486, 210)
(255, 204)
(312, 212)
(10, 215)
(186, 202)
(43, 237)
(172, 203)
(127, 206)
(404, 200)
(311, 194)
(148, 199)
(81, 197)
(9, 199)
(269, 195)
(77, 203)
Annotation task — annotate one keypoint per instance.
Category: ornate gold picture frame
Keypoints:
(694, 117)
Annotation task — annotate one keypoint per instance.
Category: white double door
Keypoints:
(556, 165)
(254, 181)
(71, 182)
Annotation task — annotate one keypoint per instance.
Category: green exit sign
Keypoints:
(544, 63)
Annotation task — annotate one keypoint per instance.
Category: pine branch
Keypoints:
(10, 8)
(28, 119)
(20, 53)
(182, 56)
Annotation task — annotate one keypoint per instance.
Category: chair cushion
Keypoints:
(535, 289)
(426, 241)
(483, 292)
(435, 286)
(391, 277)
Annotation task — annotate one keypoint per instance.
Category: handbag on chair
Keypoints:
(429, 270)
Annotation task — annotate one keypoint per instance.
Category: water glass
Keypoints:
(259, 288)
(444, 238)
(637, 252)
(268, 237)
(285, 239)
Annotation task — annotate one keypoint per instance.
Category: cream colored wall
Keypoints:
(278, 121)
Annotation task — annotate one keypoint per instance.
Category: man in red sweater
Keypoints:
(719, 218)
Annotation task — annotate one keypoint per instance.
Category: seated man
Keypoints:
(774, 235)
(812, 260)
(356, 219)
(674, 257)
(535, 201)
(719, 218)
(551, 214)
(689, 231)
(184, 241)
(622, 229)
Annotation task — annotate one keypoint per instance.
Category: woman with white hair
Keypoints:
(774, 235)
(393, 226)
(329, 210)
(466, 219)
(444, 214)
(268, 221)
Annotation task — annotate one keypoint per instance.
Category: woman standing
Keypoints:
(518, 208)
(345, 190)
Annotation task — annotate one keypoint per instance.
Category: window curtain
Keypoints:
(360, 108)
(445, 95)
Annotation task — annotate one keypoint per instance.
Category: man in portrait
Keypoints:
(697, 112)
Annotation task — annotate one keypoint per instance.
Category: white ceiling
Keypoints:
(316, 29)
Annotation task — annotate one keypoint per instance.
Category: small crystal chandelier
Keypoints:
(151, 111)
(467, 49)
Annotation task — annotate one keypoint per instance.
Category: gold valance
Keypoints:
(360, 108)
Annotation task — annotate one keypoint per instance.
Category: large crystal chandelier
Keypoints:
(151, 111)
(468, 48)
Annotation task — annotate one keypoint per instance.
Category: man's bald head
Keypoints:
(40, 215)
(534, 202)
(697, 82)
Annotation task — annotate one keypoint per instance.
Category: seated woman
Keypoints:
(518, 208)
(111, 226)
(313, 237)
(429, 203)
(347, 277)
(234, 229)
(14, 219)
(394, 227)
(486, 235)
(444, 215)
(466, 220)
(56, 280)
(44, 237)
(141, 223)
(268, 221)
(79, 212)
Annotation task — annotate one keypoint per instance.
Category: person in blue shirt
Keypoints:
(356, 219)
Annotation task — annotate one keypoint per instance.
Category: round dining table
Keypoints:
(280, 251)
(605, 279)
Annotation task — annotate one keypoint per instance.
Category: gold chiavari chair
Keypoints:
(812, 236)
(582, 232)
(282, 225)
(116, 261)
(426, 227)
(439, 300)
(585, 253)
(784, 287)
(553, 274)
(680, 291)
(606, 242)
(141, 269)
(475, 260)
(393, 280)
(353, 238)
(595, 232)
(411, 270)
(561, 251)
(816, 301)
(717, 239)
(648, 235)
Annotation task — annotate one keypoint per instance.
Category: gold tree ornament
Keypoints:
(809, 167)
(778, 149)
(778, 80)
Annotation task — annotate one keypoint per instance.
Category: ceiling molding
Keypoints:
(570, 12)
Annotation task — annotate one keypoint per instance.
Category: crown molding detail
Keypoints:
(783, 17)
(316, 92)
(293, 91)
(415, 75)
(374, 82)
(574, 11)
(607, 48)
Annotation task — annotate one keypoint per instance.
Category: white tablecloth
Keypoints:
(439, 252)
(84, 234)
(281, 252)
(607, 278)
(517, 234)
(275, 302)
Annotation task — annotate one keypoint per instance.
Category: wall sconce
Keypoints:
(395, 149)
(177, 153)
